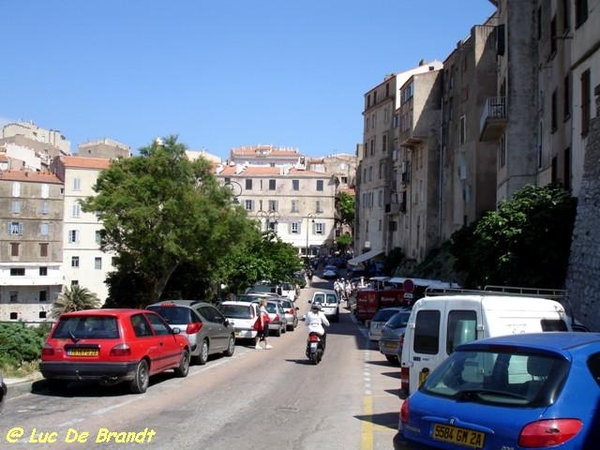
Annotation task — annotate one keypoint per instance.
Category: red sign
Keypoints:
(409, 286)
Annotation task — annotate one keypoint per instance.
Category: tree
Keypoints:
(75, 299)
(346, 208)
(160, 211)
(525, 242)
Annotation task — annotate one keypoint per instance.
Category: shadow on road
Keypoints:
(388, 419)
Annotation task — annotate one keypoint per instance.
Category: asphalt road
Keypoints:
(256, 399)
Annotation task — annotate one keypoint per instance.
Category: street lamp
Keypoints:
(235, 188)
(309, 219)
(269, 216)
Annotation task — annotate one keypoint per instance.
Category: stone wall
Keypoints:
(583, 277)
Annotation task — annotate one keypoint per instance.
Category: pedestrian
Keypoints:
(263, 329)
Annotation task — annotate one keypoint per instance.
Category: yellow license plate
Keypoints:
(390, 345)
(237, 333)
(458, 436)
(82, 352)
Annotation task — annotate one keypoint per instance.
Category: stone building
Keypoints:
(104, 148)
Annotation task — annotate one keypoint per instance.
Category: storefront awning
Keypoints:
(364, 257)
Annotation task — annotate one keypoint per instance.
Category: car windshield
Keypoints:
(237, 311)
(174, 315)
(383, 315)
(506, 378)
(398, 320)
(87, 327)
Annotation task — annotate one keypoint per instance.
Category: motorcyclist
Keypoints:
(314, 320)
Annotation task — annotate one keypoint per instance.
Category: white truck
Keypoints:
(441, 321)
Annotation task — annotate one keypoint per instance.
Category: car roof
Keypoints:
(550, 341)
(105, 312)
(188, 303)
(235, 302)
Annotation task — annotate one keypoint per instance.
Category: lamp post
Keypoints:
(269, 216)
(235, 188)
(309, 218)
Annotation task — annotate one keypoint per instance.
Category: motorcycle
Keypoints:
(314, 348)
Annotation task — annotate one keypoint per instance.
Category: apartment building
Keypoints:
(104, 148)
(84, 263)
(265, 155)
(31, 275)
(375, 167)
(299, 205)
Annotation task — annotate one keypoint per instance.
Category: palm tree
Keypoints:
(75, 299)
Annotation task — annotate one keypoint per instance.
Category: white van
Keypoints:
(438, 323)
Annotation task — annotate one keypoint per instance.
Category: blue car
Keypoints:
(521, 391)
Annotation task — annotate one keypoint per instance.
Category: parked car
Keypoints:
(392, 336)
(112, 346)
(509, 392)
(3, 392)
(277, 319)
(330, 303)
(242, 316)
(330, 272)
(287, 290)
(291, 314)
(208, 331)
(379, 320)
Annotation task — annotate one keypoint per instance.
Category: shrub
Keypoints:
(21, 344)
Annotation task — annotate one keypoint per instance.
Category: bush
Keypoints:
(21, 344)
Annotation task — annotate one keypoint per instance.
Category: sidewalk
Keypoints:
(22, 385)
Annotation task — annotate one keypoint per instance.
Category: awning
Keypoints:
(364, 257)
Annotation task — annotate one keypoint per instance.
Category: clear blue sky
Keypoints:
(219, 73)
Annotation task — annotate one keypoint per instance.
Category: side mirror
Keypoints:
(176, 330)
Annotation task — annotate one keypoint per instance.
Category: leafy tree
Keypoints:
(344, 241)
(346, 207)
(160, 211)
(75, 299)
(525, 242)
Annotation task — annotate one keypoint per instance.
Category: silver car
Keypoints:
(392, 336)
(379, 319)
(207, 329)
(277, 318)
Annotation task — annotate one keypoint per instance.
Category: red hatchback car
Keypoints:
(112, 346)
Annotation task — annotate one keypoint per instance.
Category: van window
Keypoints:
(554, 325)
(462, 327)
(427, 332)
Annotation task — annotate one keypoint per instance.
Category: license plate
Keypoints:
(313, 345)
(458, 436)
(390, 345)
(82, 352)
(237, 333)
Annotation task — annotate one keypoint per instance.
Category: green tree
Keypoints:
(160, 211)
(346, 207)
(525, 242)
(75, 299)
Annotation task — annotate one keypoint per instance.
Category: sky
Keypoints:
(218, 74)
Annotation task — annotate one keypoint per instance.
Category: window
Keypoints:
(319, 185)
(462, 328)
(73, 236)
(272, 205)
(17, 272)
(553, 37)
(384, 143)
(43, 271)
(248, 184)
(76, 184)
(98, 263)
(44, 227)
(140, 326)
(581, 12)
(44, 249)
(295, 206)
(565, 16)
(98, 237)
(14, 249)
(249, 205)
(42, 315)
(585, 103)
(294, 228)
(319, 228)
(75, 261)
(567, 97)
(567, 170)
(554, 112)
(295, 185)
(15, 229)
(502, 151)
(16, 189)
(42, 296)
(318, 207)
(45, 190)
(44, 209)
(372, 147)
(463, 129)
(76, 210)
(16, 207)
(272, 185)
(14, 298)
(427, 326)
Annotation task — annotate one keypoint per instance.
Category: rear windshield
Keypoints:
(87, 327)
(383, 315)
(174, 315)
(398, 320)
(237, 311)
(325, 299)
(509, 379)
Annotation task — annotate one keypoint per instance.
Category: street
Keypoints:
(255, 399)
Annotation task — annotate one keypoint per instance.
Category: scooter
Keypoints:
(314, 348)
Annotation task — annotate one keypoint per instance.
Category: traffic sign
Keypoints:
(409, 285)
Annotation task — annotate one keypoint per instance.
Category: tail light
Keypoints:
(47, 350)
(120, 350)
(404, 380)
(404, 412)
(313, 338)
(401, 340)
(277, 318)
(549, 433)
(193, 327)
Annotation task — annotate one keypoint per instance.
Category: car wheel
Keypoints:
(278, 332)
(203, 356)
(284, 328)
(184, 364)
(141, 379)
(231, 346)
(392, 358)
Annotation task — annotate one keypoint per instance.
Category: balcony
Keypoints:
(493, 119)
